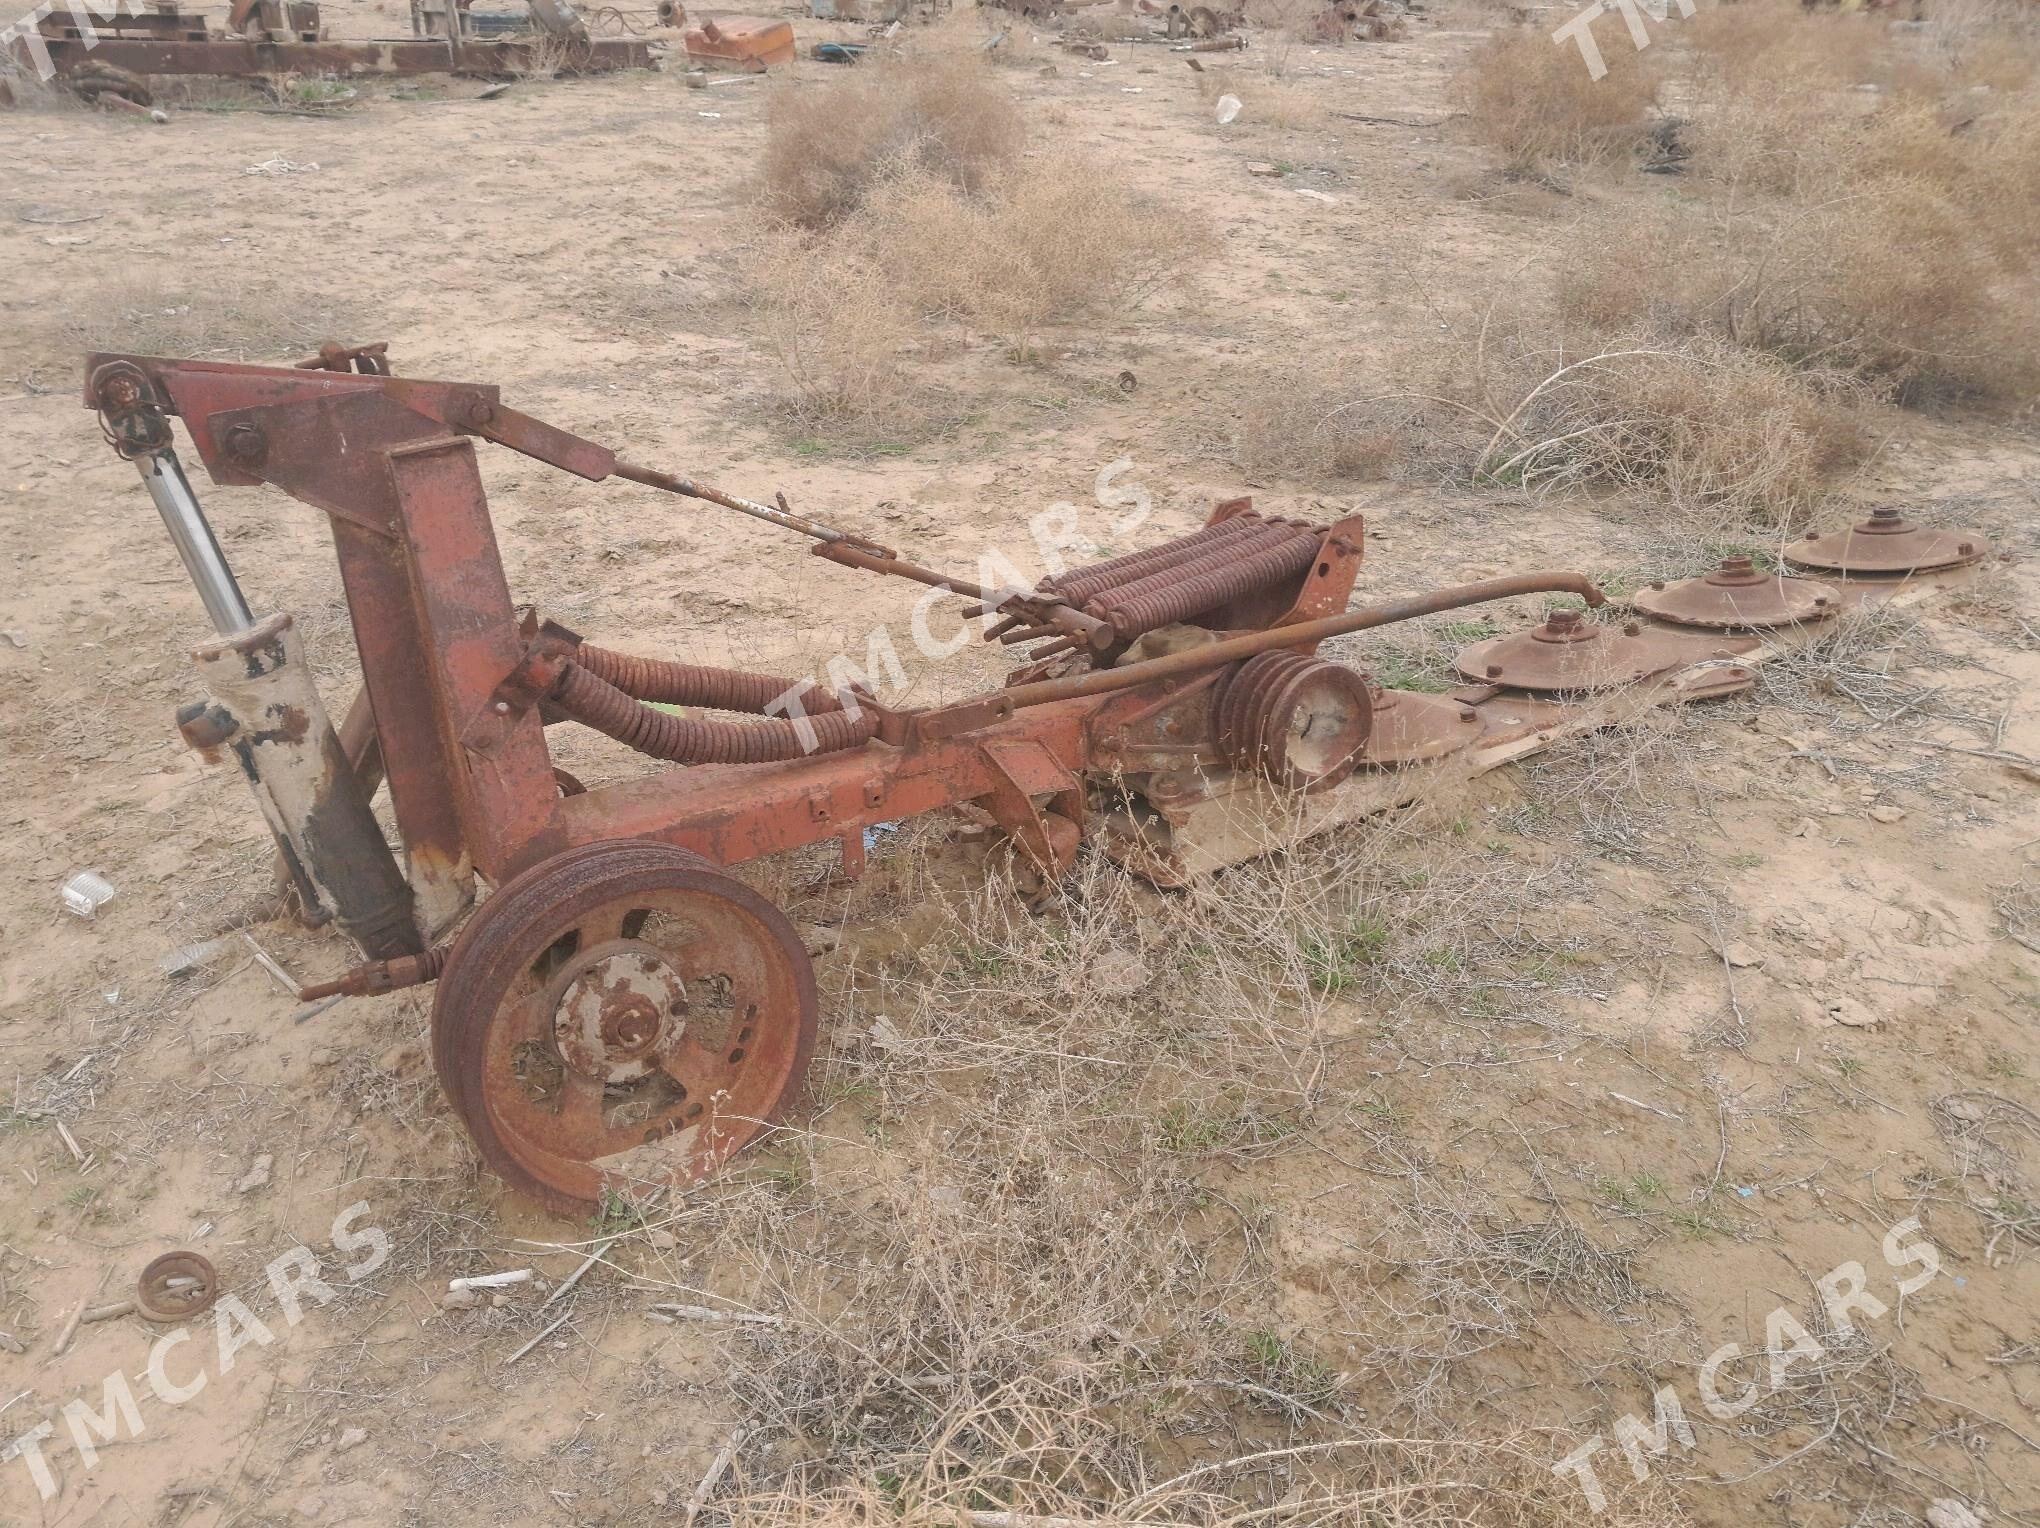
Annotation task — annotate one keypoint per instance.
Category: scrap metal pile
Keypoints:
(112, 54)
(621, 1010)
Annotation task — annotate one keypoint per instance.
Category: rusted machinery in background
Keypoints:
(267, 38)
(621, 1009)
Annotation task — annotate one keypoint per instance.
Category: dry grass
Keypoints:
(1537, 106)
(1366, 1477)
(1887, 278)
(1059, 237)
(1780, 42)
(1733, 438)
(944, 115)
(1885, 202)
(1054, 238)
(1315, 421)
(1013, 1260)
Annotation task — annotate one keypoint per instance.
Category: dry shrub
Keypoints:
(1725, 433)
(2004, 182)
(1053, 238)
(1777, 111)
(1056, 238)
(1887, 233)
(19, 85)
(1536, 104)
(1984, 42)
(837, 328)
(1889, 279)
(1314, 420)
(827, 145)
(902, 201)
(1780, 42)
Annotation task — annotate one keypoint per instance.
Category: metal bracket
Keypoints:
(549, 647)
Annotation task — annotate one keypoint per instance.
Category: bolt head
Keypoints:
(243, 443)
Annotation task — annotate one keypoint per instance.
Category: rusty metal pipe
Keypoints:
(1197, 659)
(380, 976)
(786, 519)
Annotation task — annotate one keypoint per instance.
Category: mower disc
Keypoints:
(1738, 594)
(623, 1013)
(1887, 542)
(1569, 652)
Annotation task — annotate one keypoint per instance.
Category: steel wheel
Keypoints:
(623, 1013)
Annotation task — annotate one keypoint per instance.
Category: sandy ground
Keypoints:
(574, 242)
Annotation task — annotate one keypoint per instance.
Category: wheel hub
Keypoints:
(615, 1008)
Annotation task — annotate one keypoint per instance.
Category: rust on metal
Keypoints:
(175, 1287)
(621, 1014)
(1413, 728)
(1301, 721)
(1739, 595)
(749, 42)
(620, 1010)
(1570, 653)
(169, 40)
(379, 976)
(1887, 543)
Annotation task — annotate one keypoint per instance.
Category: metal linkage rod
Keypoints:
(1197, 659)
(778, 515)
(854, 551)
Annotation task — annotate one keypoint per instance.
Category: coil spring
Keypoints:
(1082, 584)
(594, 702)
(695, 684)
(1207, 588)
(1223, 554)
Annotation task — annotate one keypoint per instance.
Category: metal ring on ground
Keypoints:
(159, 1296)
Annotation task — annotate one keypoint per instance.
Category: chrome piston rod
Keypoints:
(266, 713)
(163, 475)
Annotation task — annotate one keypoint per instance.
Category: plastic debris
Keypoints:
(188, 958)
(1229, 107)
(86, 892)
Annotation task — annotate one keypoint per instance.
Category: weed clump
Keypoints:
(899, 214)
(827, 147)
(1538, 105)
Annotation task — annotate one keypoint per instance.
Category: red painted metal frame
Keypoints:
(389, 460)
